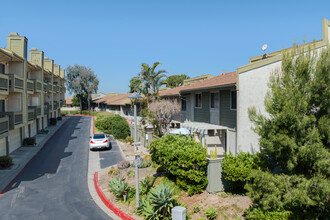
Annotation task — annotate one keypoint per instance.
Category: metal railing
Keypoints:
(15, 118)
(29, 85)
(37, 85)
(4, 82)
(31, 114)
(4, 124)
(50, 87)
(16, 83)
(46, 108)
(45, 87)
(36, 110)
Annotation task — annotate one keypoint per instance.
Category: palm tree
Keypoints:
(152, 79)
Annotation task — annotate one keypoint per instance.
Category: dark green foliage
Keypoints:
(115, 125)
(211, 213)
(31, 141)
(73, 112)
(59, 118)
(176, 80)
(43, 131)
(6, 161)
(52, 121)
(294, 139)
(258, 214)
(146, 184)
(237, 169)
(184, 159)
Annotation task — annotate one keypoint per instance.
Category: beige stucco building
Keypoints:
(252, 86)
(31, 92)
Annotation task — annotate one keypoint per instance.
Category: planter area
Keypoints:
(227, 206)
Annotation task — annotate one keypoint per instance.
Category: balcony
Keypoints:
(63, 89)
(45, 87)
(36, 110)
(56, 105)
(29, 86)
(4, 84)
(37, 85)
(46, 108)
(16, 83)
(31, 115)
(15, 118)
(50, 87)
(61, 103)
(4, 125)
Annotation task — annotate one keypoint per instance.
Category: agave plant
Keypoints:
(162, 199)
(119, 187)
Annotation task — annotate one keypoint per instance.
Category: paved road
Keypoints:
(110, 157)
(54, 184)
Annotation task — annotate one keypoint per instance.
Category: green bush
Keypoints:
(211, 213)
(185, 159)
(257, 214)
(59, 118)
(6, 161)
(304, 198)
(115, 125)
(52, 121)
(31, 141)
(237, 169)
(73, 112)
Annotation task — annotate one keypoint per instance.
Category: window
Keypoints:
(215, 100)
(233, 101)
(2, 68)
(183, 104)
(198, 100)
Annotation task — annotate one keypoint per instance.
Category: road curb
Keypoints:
(43, 145)
(107, 202)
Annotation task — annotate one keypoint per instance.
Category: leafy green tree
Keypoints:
(135, 85)
(294, 138)
(176, 80)
(81, 80)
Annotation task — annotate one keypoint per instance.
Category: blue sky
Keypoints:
(188, 37)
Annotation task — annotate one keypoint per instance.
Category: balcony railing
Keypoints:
(16, 83)
(15, 118)
(31, 114)
(46, 108)
(36, 110)
(30, 86)
(55, 105)
(50, 87)
(37, 85)
(61, 103)
(45, 87)
(4, 84)
(4, 124)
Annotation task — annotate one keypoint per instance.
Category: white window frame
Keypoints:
(233, 109)
(195, 101)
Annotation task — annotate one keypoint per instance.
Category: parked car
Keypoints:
(99, 141)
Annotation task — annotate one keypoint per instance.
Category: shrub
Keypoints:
(123, 164)
(304, 198)
(113, 171)
(6, 161)
(146, 184)
(185, 159)
(256, 214)
(59, 118)
(129, 139)
(43, 131)
(237, 169)
(52, 121)
(211, 213)
(196, 209)
(119, 187)
(144, 162)
(113, 124)
(31, 141)
(131, 173)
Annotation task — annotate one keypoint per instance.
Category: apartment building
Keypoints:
(31, 92)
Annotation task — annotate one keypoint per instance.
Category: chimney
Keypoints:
(37, 57)
(57, 70)
(17, 44)
(49, 64)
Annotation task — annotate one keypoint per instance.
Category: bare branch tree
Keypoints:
(164, 111)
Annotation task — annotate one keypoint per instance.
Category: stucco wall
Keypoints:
(2, 147)
(14, 139)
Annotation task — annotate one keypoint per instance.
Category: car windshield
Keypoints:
(98, 136)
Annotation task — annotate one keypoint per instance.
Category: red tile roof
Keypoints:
(68, 101)
(106, 97)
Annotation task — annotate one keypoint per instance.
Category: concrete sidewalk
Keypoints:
(23, 155)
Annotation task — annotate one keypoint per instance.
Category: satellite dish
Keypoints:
(264, 47)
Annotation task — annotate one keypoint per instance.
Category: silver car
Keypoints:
(99, 141)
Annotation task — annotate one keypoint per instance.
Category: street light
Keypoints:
(134, 96)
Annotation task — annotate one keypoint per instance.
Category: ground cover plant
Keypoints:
(184, 159)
